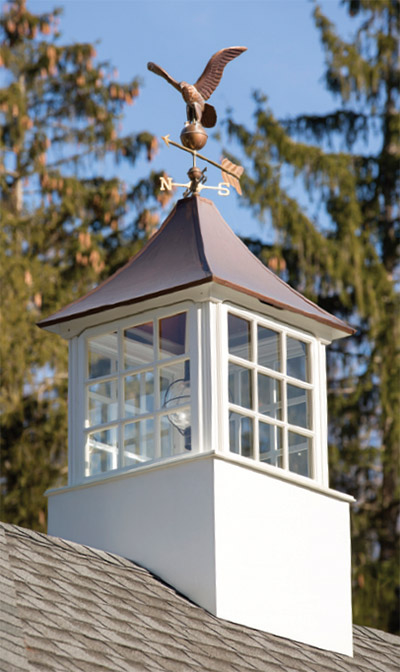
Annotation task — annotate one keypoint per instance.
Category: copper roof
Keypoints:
(193, 246)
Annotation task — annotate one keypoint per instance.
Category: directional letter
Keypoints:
(166, 183)
(223, 189)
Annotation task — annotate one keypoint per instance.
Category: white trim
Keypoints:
(170, 462)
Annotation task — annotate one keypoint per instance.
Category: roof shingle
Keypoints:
(66, 607)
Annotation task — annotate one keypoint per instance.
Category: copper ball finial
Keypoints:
(193, 136)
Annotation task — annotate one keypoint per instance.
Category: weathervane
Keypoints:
(200, 114)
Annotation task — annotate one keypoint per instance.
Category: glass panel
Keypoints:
(138, 345)
(269, 396)
(299, 451)
(138, 442)
(102, 451)
(240, 386)
(240, 435)
(139, 394)
(297, 359)
(173, 441)
(175, 384)
(102, 402)
(172, 334)
(299, 406)
(270, 442)
(239, 336)
(269, 350)
(103, 355)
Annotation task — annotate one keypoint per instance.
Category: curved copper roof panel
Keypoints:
(193, 246)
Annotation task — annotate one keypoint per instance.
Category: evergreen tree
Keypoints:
(64, 226)
(349, 163)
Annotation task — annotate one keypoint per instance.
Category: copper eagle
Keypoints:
(196, 94)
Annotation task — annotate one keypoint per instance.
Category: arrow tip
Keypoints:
(166, 139)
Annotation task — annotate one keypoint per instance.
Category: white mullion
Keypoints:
(298, 383)
(120, 400)
(312, 363)
(301, 430)
(236, 408)
(81, 408)
(145, 367)
(100, 428)
(73, 385)
(285, 437)
(157, 392)
(254, 375)
(221, 372)
(142, 392)
(113, 376)
(195, 353)
(321, 430)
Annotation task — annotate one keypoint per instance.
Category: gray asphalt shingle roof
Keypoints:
(67, 607)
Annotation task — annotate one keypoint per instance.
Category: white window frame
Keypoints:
(316, 387)
(79, 382)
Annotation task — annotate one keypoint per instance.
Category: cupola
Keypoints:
(198, 432)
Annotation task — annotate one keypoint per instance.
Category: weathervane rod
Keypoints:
(200, 156)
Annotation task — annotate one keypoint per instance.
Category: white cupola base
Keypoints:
(246, 545)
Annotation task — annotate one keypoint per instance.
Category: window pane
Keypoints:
(103, 355)
(269, 396)
(240, 386)
(269, 351)
(175, 384)
(138, 442)
(138, 345)
(102, 451)
(173, 441)
(239, 337)
(299, 451)
(299, 406)
(172, 334)
(297, 359)
(240, 435)
(139, 394)
(103, 403)
(270, 442)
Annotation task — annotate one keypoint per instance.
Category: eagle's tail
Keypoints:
(209, 116)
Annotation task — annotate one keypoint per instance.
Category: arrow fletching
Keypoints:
(233, 176)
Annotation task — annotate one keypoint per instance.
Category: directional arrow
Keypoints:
(227, 167)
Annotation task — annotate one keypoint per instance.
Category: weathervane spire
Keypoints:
(200, 114)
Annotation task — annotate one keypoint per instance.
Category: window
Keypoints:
(270, 394)
(137, 393)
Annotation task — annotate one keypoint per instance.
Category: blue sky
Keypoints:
(284, 60)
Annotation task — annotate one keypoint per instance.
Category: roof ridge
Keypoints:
(199, 235)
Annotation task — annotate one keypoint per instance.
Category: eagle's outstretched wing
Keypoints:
(211, 77)
(163, 73)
